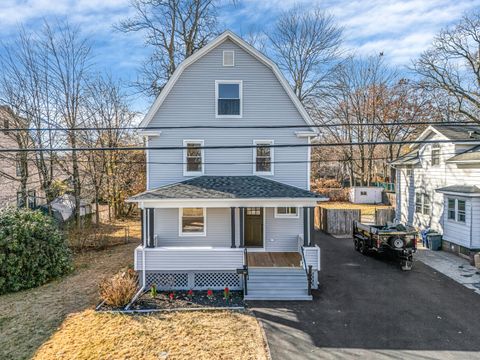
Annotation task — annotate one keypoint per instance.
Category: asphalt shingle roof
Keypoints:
(472, 154)
(459, 132)
(226, 187)
(464, 189)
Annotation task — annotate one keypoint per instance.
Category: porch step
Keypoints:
(277, 284)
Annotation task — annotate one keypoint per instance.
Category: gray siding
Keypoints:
(192, 102)
(281, 234)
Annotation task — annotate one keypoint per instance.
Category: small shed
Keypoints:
(365, 195)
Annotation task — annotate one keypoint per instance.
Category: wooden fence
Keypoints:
(336, 221)
(382, 216)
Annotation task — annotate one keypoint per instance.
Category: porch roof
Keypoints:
(226, 188)
(467, 190)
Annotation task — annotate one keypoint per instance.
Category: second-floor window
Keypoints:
(435, 154)
(228, 95)
(193, 157)
(263, 157)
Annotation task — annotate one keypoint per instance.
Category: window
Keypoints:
(32, 199)
(228, 98)
(422, 204)
(18, 168)
(286, 212)
(363, 193)
(228, 58)
(409, 172)
(193, 157)
(456, 210)
(435, 155)
(263, 157)
(192, 222)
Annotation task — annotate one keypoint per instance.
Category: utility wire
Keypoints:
(295, 126)
(218, 147)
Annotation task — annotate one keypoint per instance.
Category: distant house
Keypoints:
(213, 213)
(438, 186)
(63, 207)
(10, 172)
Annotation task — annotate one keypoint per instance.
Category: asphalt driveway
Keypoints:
(367, 307)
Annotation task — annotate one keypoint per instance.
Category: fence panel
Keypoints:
(382, 216)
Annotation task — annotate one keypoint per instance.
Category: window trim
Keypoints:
(240, 94)
(180, 220)
(233, 57)
(456, 211)
(200, 142)
(286, 216)
(272, 157)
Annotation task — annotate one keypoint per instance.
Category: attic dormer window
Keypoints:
(228, 58)
(228, 95)
(435, 155)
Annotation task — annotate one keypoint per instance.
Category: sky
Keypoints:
(399, 29)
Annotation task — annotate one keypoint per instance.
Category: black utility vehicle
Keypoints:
(397, 239)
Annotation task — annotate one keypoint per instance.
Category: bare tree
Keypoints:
(175, 29)
(452, 65)
(306, 44)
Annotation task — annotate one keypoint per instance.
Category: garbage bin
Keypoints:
(434, 241)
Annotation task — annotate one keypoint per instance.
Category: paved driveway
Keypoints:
(367, 307)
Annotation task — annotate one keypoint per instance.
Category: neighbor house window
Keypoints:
(228, 98)
(363, 193)
(409, 172)
(193, 157)
(192, 222)
(456, 210)
(263, 157)
(228, 58)
(286, 212)
(422, 204)
(435, 155)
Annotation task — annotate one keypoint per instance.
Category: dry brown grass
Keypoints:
(367, 209)
(193, 335)
(28, 318)
(119, 289)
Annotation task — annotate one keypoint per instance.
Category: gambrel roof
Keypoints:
(227, 35)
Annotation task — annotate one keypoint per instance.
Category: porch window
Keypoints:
(192, 222)
(193, 157)
(286, 212)
(228, 98)
(435, 155)
(263, 157)
(456, 210)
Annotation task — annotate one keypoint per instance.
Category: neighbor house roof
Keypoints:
(226, 187)
(469, 156)
(408, 159)
(461, 189)
(210, 46)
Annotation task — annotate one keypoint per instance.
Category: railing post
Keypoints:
(232, 226)
(309, 277)
(245, 273)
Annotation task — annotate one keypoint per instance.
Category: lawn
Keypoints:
(183, 335)
(367, 209)
(56, 321)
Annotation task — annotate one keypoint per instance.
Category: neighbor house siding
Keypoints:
(192, 102)
(427, 178)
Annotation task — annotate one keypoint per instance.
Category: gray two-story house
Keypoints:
(226, 190)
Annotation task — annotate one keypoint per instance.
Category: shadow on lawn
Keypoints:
(367, 302)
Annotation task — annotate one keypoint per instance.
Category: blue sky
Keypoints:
(401, 29)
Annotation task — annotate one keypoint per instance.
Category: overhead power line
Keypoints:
(283, 126)
(223, 147)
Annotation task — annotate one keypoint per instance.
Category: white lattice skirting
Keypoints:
(185, 280)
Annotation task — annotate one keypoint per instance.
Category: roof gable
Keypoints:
(227, 35)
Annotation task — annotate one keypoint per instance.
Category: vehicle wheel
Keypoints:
(363, 247)
(356, 244)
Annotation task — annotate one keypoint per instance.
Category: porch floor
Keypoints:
(274, 259)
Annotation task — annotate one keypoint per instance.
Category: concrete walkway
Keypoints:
(452, 266)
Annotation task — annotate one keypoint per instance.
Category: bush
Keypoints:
(120, 289)
(32, 250)
(330, 188)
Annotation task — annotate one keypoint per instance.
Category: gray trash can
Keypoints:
(434, 241)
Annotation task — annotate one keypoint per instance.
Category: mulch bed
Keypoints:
(181, 300)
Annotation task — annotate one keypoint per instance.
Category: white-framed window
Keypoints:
(228, 98)
(422, 204)
(192, 221)
(193, 158)
(263, 157)
(435, 155)
(286, 212)
(228, 58)
(409, 172)
(456, 209)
